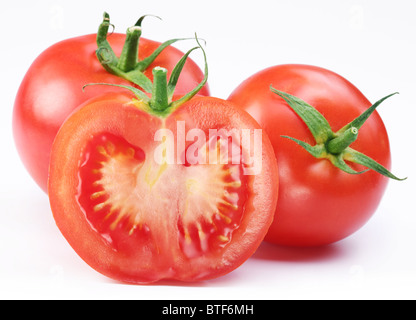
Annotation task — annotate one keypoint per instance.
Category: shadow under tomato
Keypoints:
(271, 252)
(268, 251)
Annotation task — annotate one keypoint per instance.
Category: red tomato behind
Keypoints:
(137, 220)
(318, 203)
(52, 89)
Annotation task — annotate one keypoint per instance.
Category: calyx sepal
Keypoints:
(128, 66)
(159, 96)
(334, 146)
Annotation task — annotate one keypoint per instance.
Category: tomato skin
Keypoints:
(115, 114)
(52, 89)
(318, 203)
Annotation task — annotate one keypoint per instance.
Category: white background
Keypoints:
(371, 43)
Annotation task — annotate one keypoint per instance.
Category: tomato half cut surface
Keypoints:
(142, 198)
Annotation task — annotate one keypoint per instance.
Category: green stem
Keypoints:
(161, 91)
(130, 55)
(105, 53)
(103, 28)
(160, 100)
(343, 141)
(128, 65)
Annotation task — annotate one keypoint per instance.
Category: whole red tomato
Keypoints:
(52, 87)
(129, 197)
(322, 199)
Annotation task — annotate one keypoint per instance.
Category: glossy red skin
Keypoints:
(52, 89)
(318, 203)
(115, 114)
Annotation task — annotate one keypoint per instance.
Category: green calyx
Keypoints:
(127, 66)
(334, 146)
(158, 96)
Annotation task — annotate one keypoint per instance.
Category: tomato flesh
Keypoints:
(139, 220)
(118, 195)
(108, 161)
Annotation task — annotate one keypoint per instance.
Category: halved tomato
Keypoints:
(143, 195)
